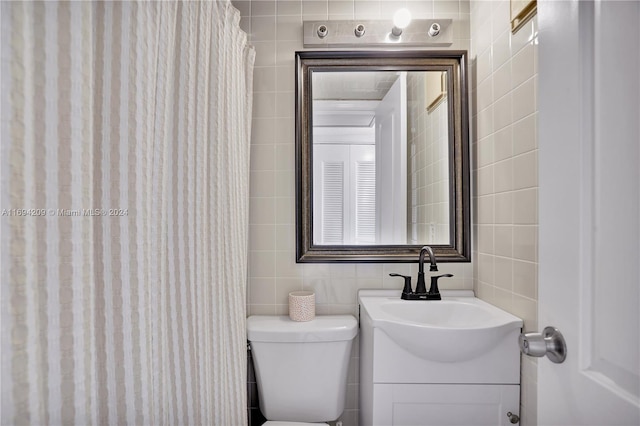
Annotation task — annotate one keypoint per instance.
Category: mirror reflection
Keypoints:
(381, 172)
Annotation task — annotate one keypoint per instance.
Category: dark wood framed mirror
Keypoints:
(382, 156)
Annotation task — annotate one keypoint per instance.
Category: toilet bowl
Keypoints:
(301, 367)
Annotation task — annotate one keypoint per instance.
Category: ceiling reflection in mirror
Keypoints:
(380, 158)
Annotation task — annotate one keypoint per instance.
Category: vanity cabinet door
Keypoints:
(420, 404)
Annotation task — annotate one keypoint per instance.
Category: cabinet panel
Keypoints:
(420, 404)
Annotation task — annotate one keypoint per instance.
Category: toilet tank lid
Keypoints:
(324, 328)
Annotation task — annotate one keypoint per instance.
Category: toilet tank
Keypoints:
(301, 367)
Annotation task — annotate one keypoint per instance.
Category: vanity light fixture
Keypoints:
(405, 32)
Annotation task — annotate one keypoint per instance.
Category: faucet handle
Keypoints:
(434, 293)
(407, 282)
(443, 275)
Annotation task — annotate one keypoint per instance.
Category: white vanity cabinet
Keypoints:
(398, 387)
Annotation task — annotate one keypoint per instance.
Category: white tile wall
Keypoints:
(275, 29)
(504, 78)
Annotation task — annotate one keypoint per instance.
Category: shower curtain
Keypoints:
(124, 175)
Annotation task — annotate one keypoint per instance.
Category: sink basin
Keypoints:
(444, 313)
(454, 329)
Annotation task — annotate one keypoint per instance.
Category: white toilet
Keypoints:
(301, 367)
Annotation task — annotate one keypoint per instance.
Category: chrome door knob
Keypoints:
(550, 343)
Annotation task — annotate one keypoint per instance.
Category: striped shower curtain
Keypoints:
(124, 176)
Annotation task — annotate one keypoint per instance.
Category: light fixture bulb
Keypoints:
(434, 30)
(402, 18)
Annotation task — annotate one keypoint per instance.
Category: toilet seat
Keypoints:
(278, 423)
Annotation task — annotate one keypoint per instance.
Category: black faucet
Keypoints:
(420, 287)
(421, 290)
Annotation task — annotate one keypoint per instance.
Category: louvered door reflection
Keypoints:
(365, 202)
(333, 189)
(344, 197)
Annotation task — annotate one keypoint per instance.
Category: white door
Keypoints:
(391, 164)
(589, 248)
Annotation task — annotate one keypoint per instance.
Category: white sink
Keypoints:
(450, 361)
(456, 328)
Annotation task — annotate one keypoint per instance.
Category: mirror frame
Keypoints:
(452, 61)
